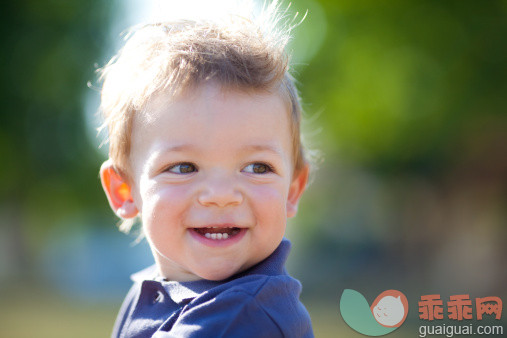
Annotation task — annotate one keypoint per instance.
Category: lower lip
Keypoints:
(218, 242)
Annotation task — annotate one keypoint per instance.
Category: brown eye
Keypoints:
(257, 168)
(260, 168)
(183, 168)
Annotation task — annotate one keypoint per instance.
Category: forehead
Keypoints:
(211, 99)
(210, 116)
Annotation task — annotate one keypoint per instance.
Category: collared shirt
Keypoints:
(262, 301)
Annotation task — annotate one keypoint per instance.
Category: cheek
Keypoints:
(164, 206)
(269, 201)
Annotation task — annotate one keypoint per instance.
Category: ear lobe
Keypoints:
(117, 191)
(296, 189)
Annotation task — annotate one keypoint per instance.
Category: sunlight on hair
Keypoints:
(169, 10)
(274, 17)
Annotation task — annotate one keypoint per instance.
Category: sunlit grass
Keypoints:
(30, 312)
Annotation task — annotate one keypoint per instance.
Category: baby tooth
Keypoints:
(216, 235)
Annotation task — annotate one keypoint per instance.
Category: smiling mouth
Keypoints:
(217, 233)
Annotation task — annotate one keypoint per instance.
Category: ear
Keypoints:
(117, 191)
(296, 189)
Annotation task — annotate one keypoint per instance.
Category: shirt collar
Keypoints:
(184, 291)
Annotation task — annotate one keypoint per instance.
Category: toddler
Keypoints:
(204, 147)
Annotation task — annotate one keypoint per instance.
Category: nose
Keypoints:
(220, 190)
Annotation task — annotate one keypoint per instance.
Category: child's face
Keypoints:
(213, 180)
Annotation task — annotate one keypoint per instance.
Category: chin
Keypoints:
(219, 274)
(213, 276)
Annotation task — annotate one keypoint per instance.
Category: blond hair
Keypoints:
(234, 51)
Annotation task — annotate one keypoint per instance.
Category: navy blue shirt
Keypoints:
(262, 301)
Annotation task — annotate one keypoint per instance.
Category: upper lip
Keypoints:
(218, 225)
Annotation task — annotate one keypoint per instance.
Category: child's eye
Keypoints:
(182, 168)
(258, 168)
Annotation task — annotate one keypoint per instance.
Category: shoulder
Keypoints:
(278, 298)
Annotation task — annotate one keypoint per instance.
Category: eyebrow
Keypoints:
(250, 147)
(165, 149)
(264, 147)
(178, 147)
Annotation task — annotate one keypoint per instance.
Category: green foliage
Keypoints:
(49, 52)
(404, 85)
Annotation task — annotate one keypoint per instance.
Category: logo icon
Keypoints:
(387, 312)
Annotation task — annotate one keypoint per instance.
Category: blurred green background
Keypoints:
(406, 100)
